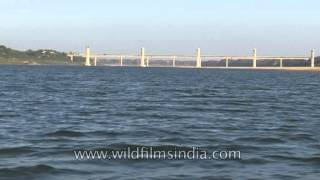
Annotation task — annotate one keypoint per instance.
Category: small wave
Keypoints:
(237, 147)
(255, 161)
(65, 133)
(9, 115)
(173, 140)
(123, 146)
(313, 160)
(302, 137)
(283, 176)
(104, 133)
(268, 140)
(15, 150)
(26, 170)
(36, 170)
(232, 110)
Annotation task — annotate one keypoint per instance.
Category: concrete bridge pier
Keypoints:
(147, 63)
(95, 60)
(121, 61)
(199, 63)
(227, 62)
(142, 60)
(174, 61)
(312, 58)
(254, 58)
(87, 57)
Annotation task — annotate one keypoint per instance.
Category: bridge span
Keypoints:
(196, 60)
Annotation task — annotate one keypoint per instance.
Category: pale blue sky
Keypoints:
(216, 26)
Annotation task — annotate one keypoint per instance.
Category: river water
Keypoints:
(48, 112)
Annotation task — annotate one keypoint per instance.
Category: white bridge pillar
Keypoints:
(87, 57)
(312, 57)
(254, 57)
(281, 62)
(142, 60)
(199, 63)
(147, 64)
(227, 62)
(95, 60)
(121, 61)
(174, 61)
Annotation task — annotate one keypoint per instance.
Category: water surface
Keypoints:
(46, 112)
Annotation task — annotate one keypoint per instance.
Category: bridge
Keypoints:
(194, 61)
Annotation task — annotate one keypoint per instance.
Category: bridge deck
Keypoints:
(144, 59)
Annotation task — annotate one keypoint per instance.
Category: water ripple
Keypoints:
(47, 112)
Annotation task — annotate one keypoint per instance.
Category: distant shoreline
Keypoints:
(306, 69)
(46, 57)
(38, 62)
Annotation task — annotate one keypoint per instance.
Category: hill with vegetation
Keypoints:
(41, 56)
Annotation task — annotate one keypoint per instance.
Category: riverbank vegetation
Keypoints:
(34, 57)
